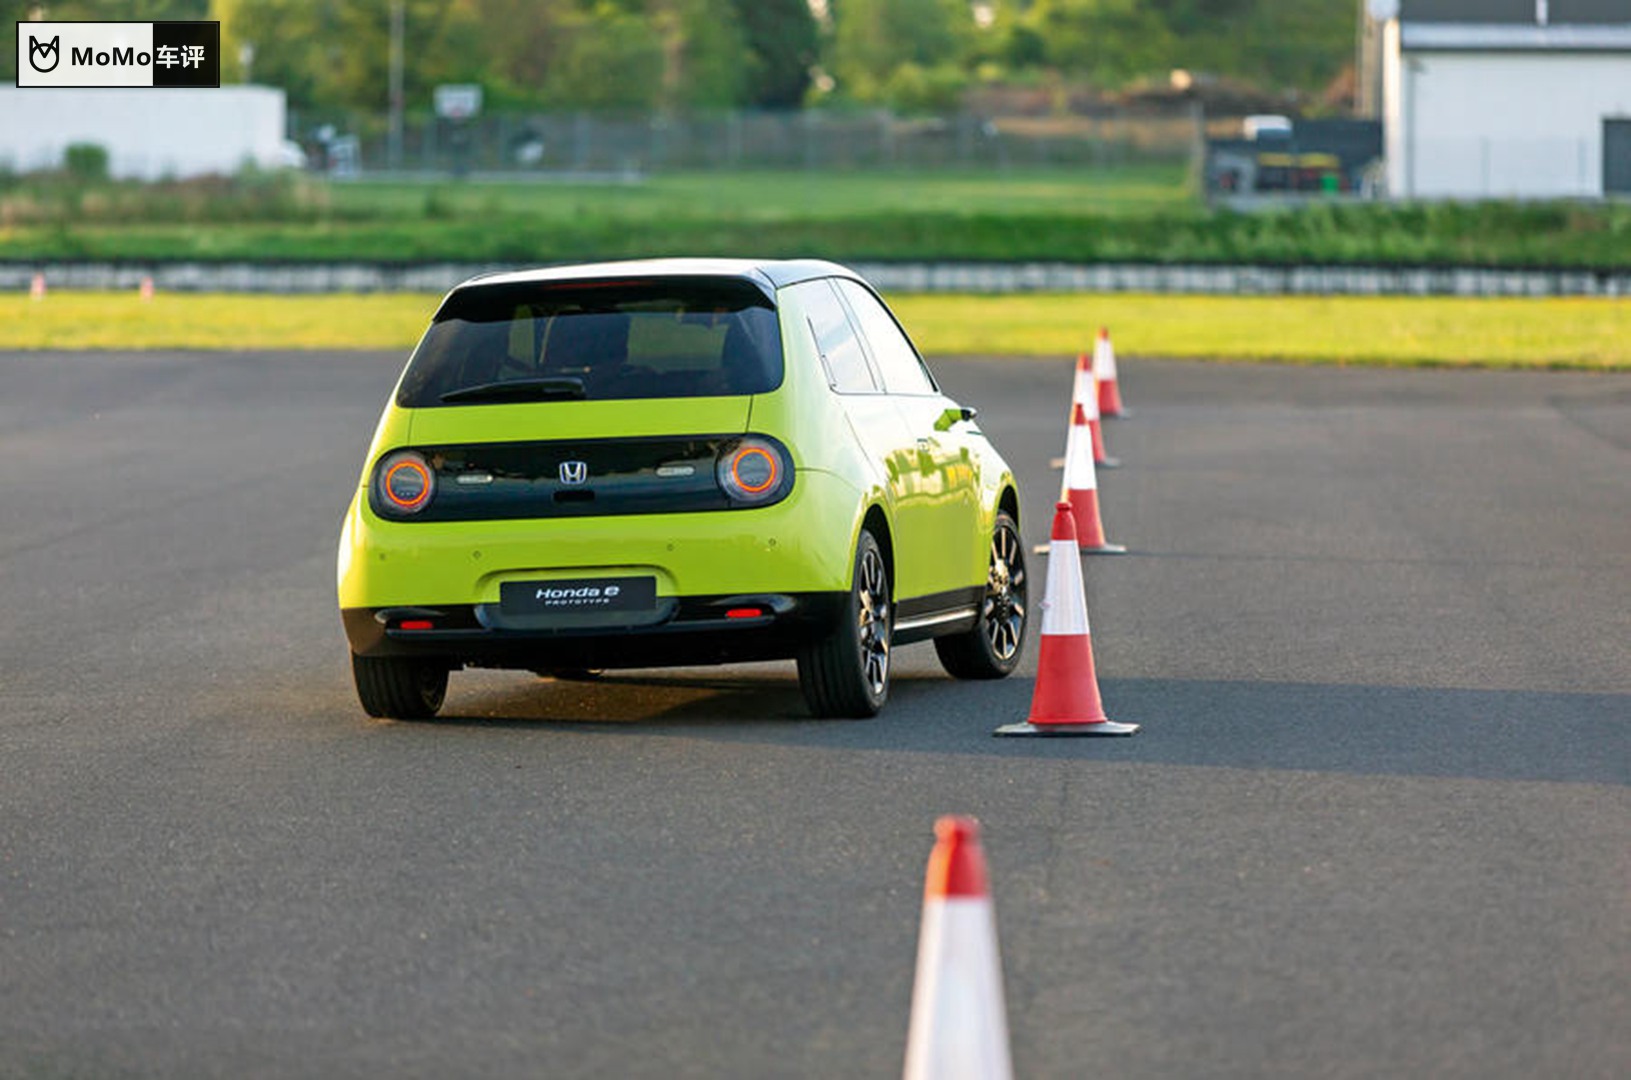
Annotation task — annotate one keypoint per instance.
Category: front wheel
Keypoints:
(846, 673)
(399, 687)
(991, 649)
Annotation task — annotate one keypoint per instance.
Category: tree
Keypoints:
(13, 12)
(1109, 41)
(516, 43)
(361, 73)
(783, 44)
(705, 57)
(873, 38)
(1191, 17)
(295, 46)
(1010, 40)
(607, 57)
(336, 53)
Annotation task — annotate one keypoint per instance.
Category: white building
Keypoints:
(1506, 98)
(148, 133)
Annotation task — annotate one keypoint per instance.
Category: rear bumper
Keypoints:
(804, 544)
(692, 630)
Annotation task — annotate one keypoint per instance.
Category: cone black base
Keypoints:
(1103, 727)
(1106, 549)
(1107, 463)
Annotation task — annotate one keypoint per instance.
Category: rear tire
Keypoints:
(990, 650)
(399, 687)
(846, 673)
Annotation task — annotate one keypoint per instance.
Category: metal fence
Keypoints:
(581, 142)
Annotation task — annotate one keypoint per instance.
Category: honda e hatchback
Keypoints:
(675, 462)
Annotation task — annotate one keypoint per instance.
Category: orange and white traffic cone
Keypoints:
(1085, 392)
(1104, 367)
(1066, 699)
(36, 288)
(959, 1024)
(1090, 405)
(145, 291)
(1080, 490)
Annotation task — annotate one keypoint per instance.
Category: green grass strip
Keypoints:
(1588, 334)
(1585, 334)
(102, 320)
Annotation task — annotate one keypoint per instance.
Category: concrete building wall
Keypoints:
(1501, 124)
(148, 134)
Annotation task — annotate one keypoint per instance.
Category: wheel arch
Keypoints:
(1008, 502)
(876, 522)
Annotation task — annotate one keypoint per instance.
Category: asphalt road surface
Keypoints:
(1376, 625)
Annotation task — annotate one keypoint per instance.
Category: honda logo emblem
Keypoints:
(574, 472)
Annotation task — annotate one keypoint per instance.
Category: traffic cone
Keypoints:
(1066, 698)
(146, 289)
(1090, 405)
(36, 288)
(1080, 489)
(1085, 393)
(1104, 367)
(959, 1024)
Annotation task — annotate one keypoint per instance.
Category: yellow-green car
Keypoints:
(675, 462)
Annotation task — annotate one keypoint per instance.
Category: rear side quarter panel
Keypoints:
(808, 417)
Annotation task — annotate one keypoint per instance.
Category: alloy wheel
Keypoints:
(875, 619)
(1003, 614)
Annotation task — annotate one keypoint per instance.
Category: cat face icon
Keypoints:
(40, 52)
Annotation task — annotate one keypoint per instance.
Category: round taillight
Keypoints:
(753, 471)
(405, 483)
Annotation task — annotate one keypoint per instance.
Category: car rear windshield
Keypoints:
(601, 341)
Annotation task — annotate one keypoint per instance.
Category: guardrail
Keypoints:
(1234, 280)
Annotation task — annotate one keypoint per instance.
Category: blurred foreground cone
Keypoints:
(36, 288)
(1080, 491)
(146, 289)
(1104, 367)
(1066, 699)
(959, 1023)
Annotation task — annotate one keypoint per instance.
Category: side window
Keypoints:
(903, 371)
(835, 338)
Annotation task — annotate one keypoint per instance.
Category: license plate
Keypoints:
(577, 595)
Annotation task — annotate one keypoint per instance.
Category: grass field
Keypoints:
(1549, 333)
(993, 215)
(1121, 213)
(781, 194)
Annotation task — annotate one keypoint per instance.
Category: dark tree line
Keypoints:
(773, 54)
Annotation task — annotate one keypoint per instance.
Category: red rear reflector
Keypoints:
(744, 613)
(415, 624)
